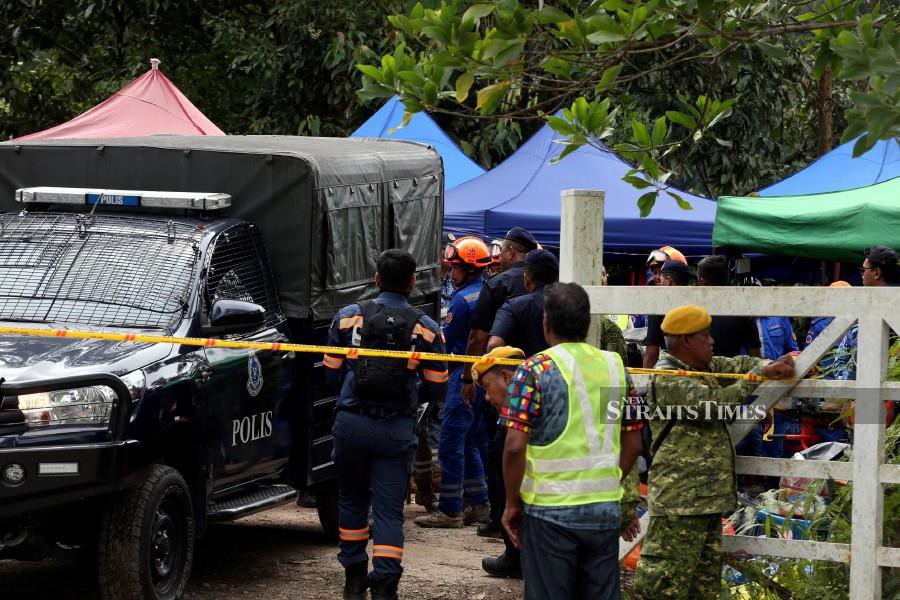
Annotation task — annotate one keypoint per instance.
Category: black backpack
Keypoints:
(381, 382)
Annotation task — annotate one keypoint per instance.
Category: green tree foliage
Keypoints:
(656, 79)
(283, 67)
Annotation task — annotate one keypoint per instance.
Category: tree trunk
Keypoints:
(826, 113)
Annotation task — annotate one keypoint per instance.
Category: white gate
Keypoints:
(874, 309)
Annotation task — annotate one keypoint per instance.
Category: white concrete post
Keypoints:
(868, 455)
(581, 242)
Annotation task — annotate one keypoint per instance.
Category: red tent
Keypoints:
(151, 104)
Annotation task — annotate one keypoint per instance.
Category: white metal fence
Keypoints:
(874, 309)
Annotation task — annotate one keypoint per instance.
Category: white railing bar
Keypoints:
(868, 454)
(745, 301)
(889, 557)
(786, 467)
(808, 550)
(889, 474)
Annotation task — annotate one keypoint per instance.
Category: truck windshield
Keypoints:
(100, 270)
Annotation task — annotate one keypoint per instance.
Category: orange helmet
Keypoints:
(665, 253)
(469, 251)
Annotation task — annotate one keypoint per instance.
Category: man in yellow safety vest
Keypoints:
(567, 449)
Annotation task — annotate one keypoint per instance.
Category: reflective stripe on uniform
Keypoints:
(348, 322)
(380, 551)
(435, 376)
(576, 486)
(424, 332)
(333, 362)
(584, 463)
(354, 535)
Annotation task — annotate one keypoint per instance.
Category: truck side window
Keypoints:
(238, 270)
(354, 222)
(413, 202)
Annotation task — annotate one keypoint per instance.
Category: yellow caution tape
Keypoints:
(313, 349)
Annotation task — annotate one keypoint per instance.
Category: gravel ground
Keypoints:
(282, 555)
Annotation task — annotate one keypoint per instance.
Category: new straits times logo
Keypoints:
(706, 410)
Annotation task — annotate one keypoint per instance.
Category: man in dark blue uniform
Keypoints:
(520, 321)
(462, 468)
(374, 430)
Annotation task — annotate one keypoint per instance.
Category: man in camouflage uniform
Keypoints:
(692, 480)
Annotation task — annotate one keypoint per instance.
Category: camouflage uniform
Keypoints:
(692, 481)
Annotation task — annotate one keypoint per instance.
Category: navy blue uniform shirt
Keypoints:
(427, 337)
(459, 317)
(520, 322)
(497, 290)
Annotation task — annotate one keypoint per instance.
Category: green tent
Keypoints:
(828, 226)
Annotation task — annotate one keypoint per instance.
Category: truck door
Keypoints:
(248, 389)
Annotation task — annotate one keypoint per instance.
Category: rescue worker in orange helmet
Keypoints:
(657, 258)
(462, 428)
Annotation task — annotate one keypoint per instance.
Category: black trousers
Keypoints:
(558, 562)
(497, 487)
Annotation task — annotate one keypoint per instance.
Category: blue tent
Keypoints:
(524, 190)
(458, 168)
(838, 170)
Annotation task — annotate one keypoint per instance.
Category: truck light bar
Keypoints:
(134, 198)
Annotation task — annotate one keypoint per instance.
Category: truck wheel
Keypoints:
(146, 543)
(327, 507)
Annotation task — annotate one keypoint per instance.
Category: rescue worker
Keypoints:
(462, 472)
(657, 258)
(565, 455)
(374, 429)
(510, 282)
(692, 479)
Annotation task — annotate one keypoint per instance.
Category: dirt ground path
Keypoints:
(282, 555)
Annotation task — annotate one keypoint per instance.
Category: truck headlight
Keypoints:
(78, 406)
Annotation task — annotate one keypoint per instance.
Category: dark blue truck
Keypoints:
(127, 450)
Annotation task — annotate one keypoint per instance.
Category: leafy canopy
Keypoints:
(516, 60)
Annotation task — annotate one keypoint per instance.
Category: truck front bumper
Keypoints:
(54, 476)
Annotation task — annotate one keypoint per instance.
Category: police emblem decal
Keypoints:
(254, 375)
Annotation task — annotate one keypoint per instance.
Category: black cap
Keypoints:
(882, 255)
(542, 258)
(675, 266)
(520, 235)
(449, 238)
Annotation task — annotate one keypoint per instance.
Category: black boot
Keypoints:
(385, 589)
(356, 581)
(502, 566)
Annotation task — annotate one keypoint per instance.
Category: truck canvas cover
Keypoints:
(325, 206)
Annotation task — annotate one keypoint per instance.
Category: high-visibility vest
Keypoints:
(623, 321)
(581, 466)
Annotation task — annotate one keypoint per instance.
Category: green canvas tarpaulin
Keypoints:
(830, 226)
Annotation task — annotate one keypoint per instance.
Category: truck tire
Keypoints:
(327, 507)
(146, 541)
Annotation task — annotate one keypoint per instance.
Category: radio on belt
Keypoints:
(130, 198)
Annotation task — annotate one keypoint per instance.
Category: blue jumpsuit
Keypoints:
(462, 433)
(373, 453)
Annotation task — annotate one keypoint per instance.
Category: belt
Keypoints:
(373, 412)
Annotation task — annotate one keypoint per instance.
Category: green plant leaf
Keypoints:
(646, 202)
(682, 203)
(605, 37)
(478, 11)
(682, 119)
(463, 85)
(488, 97)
